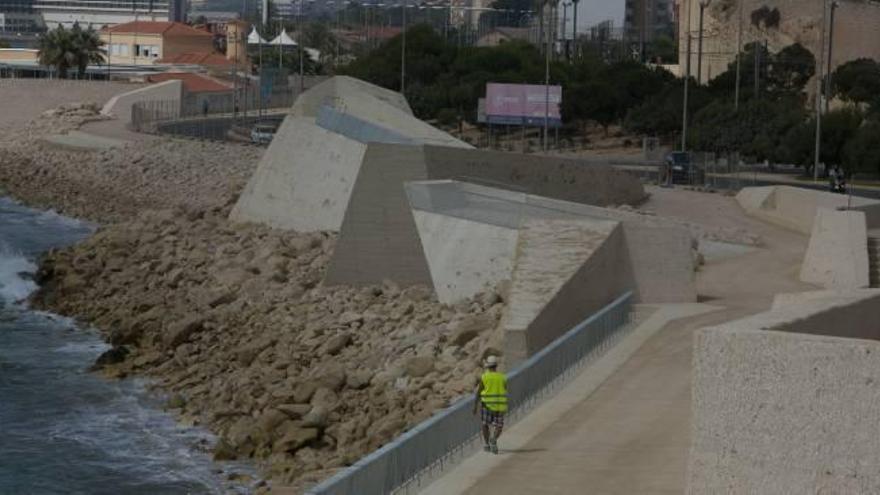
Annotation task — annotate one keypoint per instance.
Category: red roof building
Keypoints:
(147, 42)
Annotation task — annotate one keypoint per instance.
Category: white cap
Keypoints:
(491, 361)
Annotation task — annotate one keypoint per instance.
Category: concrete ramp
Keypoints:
(120, 105)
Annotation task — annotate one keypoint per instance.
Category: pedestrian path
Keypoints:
(588, 433)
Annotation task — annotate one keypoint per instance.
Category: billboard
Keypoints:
(523, 104)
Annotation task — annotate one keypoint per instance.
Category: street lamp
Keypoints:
(834, 5)
(574, 27)
(565, 6)
(403, 49)
(703, 5)
(818, 145)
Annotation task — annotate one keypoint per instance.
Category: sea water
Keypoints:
(64, 430)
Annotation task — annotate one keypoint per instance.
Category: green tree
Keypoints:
(790, 70)
(862, 152)
(857, 81)
(67, 49)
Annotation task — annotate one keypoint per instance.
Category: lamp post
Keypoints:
(574, 26)
(834, 5)
(403, 49)
(565, 6)
(739, 30)
(818, 147)
(546, 83)
(703, 5)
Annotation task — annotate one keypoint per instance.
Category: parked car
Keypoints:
(262, 133)
(684, 171)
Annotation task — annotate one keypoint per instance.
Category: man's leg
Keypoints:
(487, 441)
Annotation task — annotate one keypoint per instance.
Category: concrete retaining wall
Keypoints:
(372, 245)
(464, 257)
(837, 256)
(782, 412)
(120, 105)
(552, 177)
(564, 271)
(795, 208)
(304, 181)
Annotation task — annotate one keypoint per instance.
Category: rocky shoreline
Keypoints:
(232, 320)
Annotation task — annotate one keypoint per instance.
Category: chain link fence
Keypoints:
(407, 463)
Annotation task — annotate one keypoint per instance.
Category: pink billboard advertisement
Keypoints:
(522, 104)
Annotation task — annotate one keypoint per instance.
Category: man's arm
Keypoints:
(477, 390)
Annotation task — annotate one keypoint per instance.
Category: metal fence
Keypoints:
(147, 116)
(439, 442)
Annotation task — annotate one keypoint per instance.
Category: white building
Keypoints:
(99, 13)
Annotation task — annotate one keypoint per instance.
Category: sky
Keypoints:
(592, 12)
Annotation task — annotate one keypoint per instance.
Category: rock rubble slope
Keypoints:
(231, 321)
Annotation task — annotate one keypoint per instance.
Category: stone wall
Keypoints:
(856, 30)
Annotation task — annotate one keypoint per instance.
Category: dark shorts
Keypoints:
(491, 418)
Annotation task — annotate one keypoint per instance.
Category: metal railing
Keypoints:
(439, 442)
(147, 116)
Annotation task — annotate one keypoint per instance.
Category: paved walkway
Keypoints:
(631, 435)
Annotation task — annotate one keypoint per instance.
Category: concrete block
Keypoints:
(465, 257)
(837, 256)
(795, 208)
(786, 401)
(564, 271)
(304, 180)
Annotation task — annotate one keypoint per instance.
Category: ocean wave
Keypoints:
(16, 271)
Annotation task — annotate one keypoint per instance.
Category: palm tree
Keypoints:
(68, 49)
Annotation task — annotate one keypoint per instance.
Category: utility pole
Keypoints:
(403, 51)
(829, 65)
(684, 107)
(819, 75)
(739, 31)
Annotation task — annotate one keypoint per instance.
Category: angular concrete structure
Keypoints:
(379, 238)
(786, 401)
(837, 256)
(305, 178)
(564, 260)
(795, 207)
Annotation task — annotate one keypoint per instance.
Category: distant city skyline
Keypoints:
(592, 12)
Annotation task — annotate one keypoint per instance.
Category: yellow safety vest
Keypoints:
(494, 393)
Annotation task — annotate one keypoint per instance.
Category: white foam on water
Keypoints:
(15, 269)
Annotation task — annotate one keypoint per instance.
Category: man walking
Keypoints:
(491, 397)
